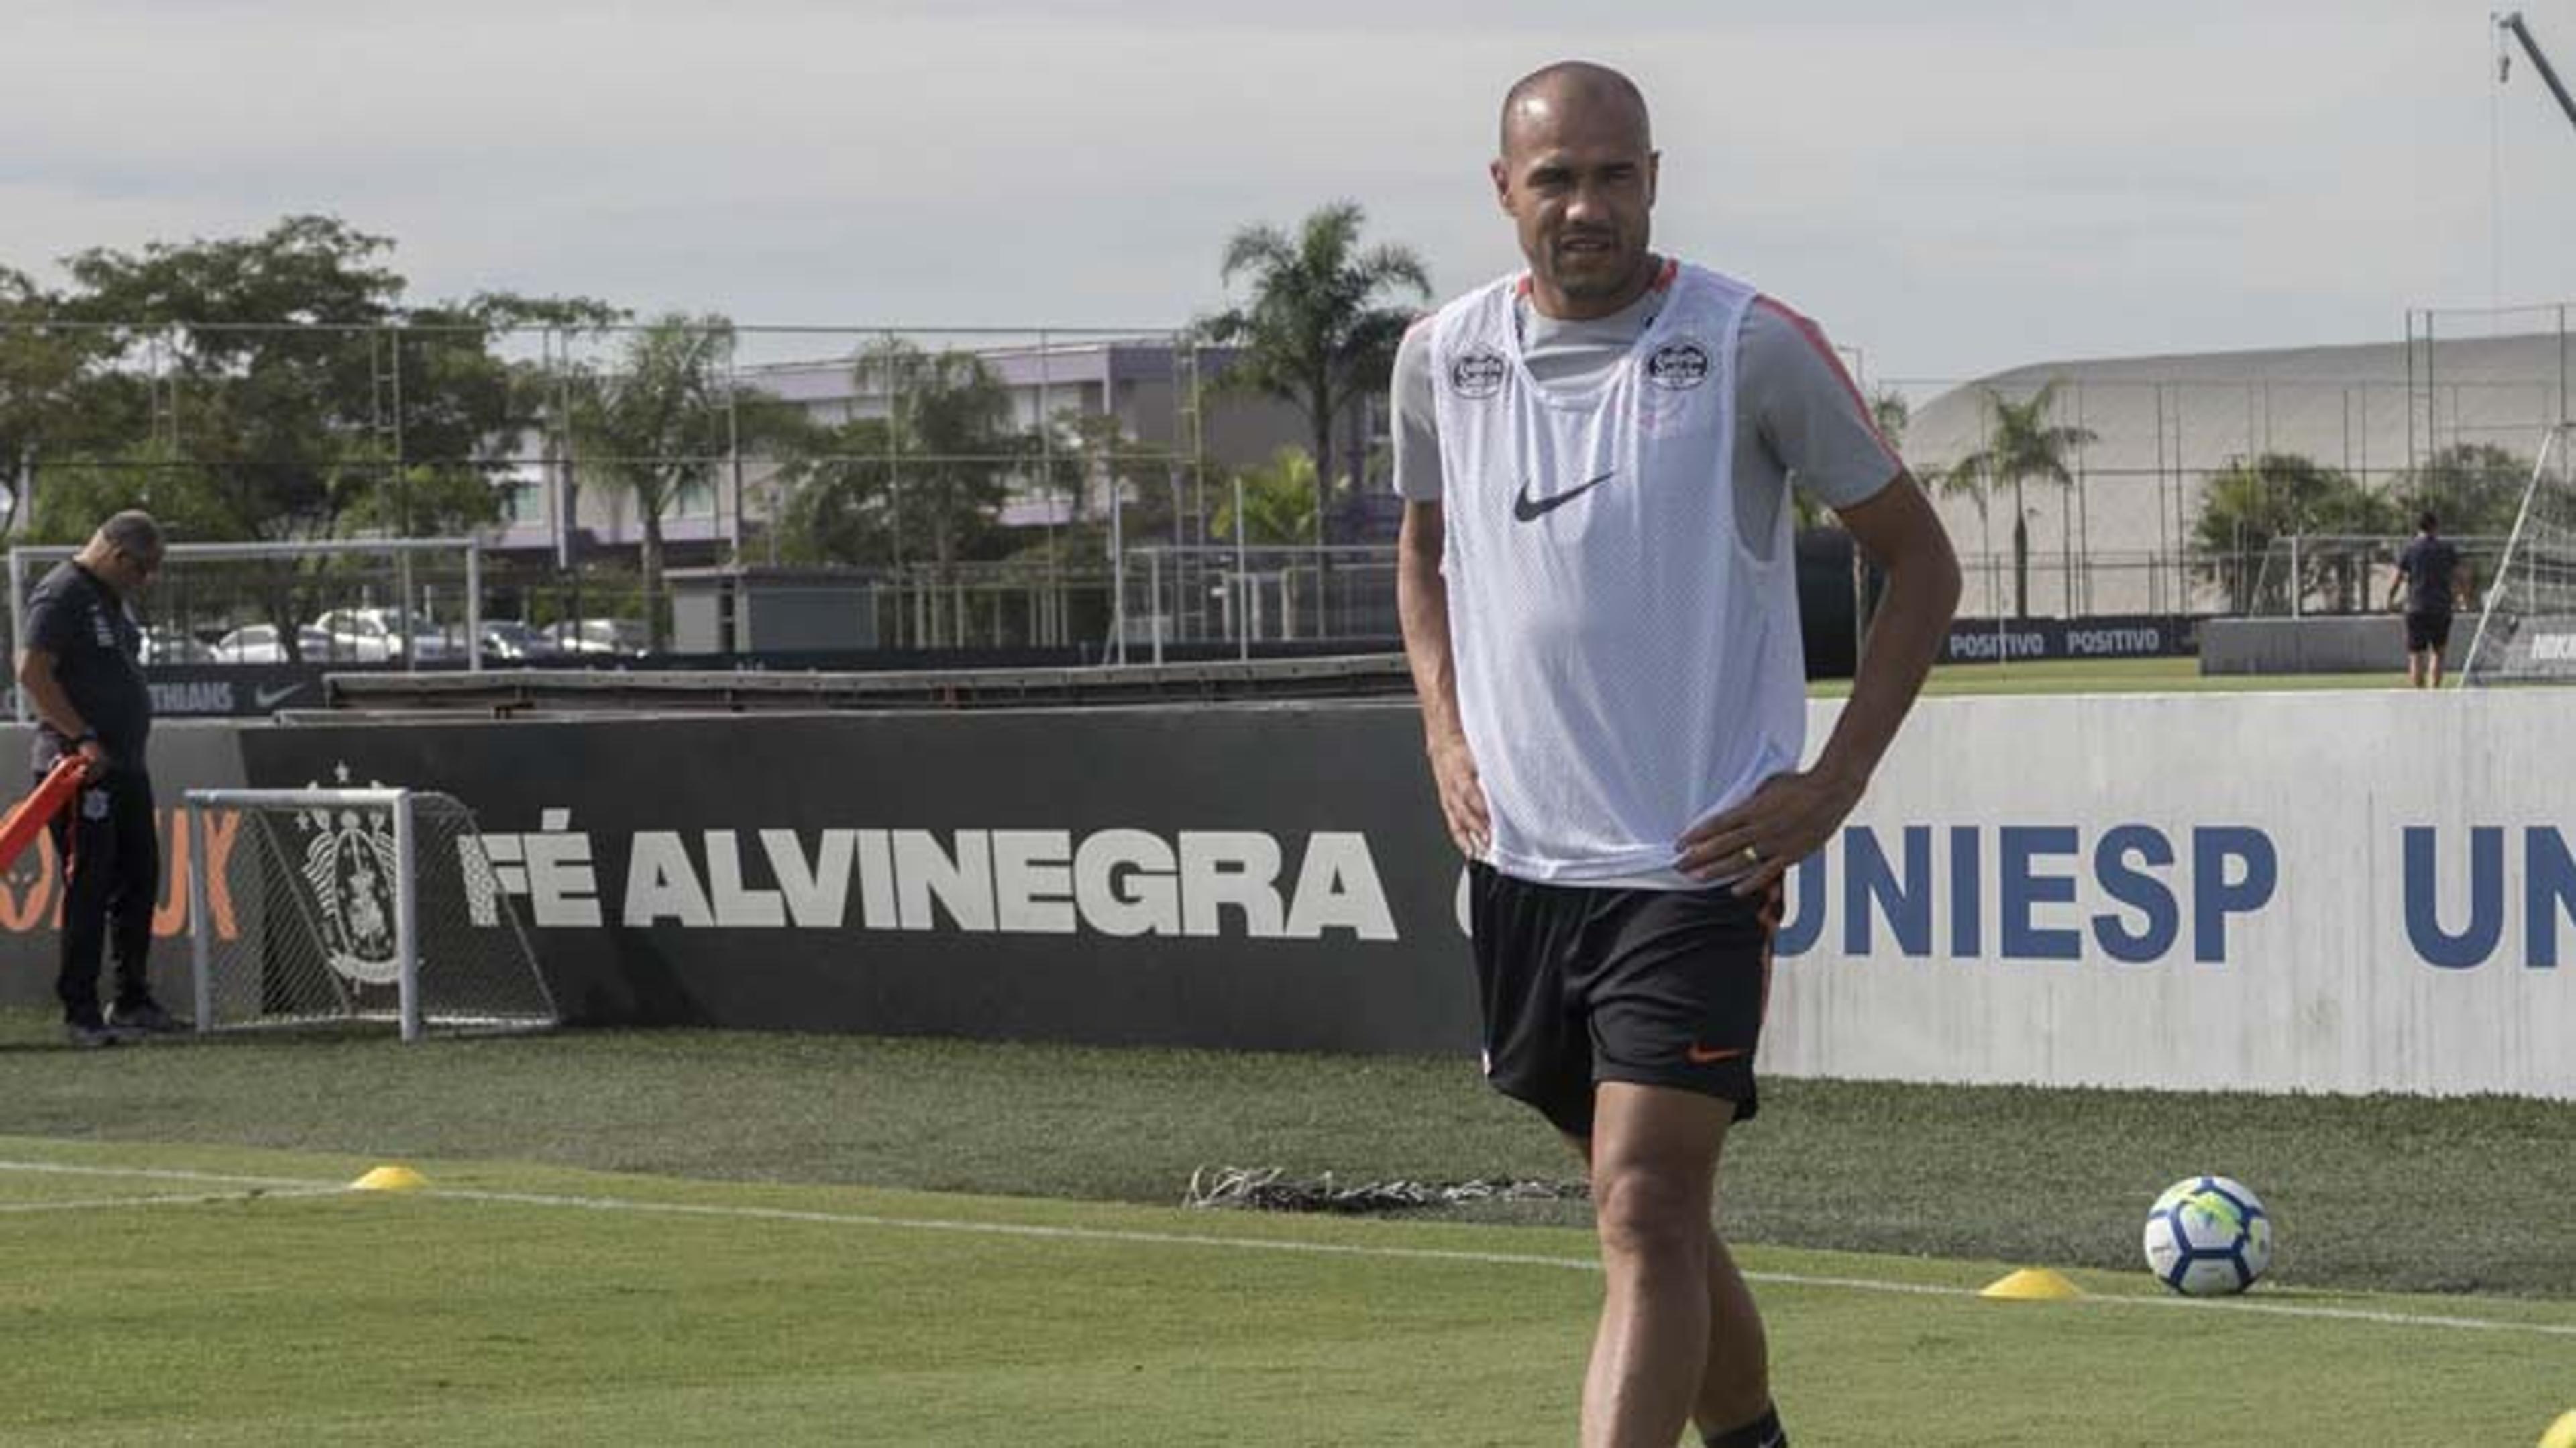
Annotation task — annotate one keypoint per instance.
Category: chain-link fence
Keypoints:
(1246, 595)
(983, 481)
(660, 485)
(2175, 484)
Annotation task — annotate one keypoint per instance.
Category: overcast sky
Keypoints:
(1950, 188)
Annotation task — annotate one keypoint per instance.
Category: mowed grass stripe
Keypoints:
(493, 1315)
(1222, 1241)
(1891, 1170)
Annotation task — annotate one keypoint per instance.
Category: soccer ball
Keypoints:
(2208, 1236)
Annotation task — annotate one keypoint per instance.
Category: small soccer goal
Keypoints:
(2527, 628)
(353, 906)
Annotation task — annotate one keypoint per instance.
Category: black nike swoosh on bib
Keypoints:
(1530, 510)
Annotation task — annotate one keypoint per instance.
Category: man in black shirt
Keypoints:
(2430, 575)
(81, 674)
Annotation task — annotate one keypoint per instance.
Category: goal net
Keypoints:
(2527, 630)
(345, 906)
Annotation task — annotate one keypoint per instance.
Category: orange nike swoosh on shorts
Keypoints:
(1699, 1055)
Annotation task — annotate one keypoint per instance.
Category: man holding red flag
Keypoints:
(82, 676)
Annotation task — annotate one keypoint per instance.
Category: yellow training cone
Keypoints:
(390, 1179)
(2561, 1434)
(2032, 1284)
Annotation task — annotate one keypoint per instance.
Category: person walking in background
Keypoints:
(1599, 603)
(82, 676)
(2430, 577)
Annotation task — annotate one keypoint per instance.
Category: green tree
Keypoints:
(260, 358)
(1278, 501)
(2022, 446)
(2251, 504)
(277, 387)
(288, 370)
(836, 506)
(2473, 487)
(652, 426)
(922, 484)
(1889, 410)
(1098, 464)
(51, 406)
(464, 410)
(1320, 330)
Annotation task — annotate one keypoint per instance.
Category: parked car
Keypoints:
(508, 641)
(165, 646)
(257, 643)
(622, 638)
(374, 635)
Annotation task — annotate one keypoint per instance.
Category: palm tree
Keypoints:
(2022, 445)
(1278, 500)
(2252, 504)
(1318, 332)
(652, 426)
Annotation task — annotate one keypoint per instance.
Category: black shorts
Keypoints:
(1581, 986)
(2427, 631)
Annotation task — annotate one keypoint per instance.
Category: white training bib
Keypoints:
(1626, 664)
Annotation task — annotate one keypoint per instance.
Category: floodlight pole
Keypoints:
(2539, 62)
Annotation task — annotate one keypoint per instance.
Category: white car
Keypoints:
(508, 641)
(165, 646)
(257, 643)
(598, 637)
(373, 635)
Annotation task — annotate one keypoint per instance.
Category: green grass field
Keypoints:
(2118, 676)
(522, 1304)
(713, 1237)
(718, 1238)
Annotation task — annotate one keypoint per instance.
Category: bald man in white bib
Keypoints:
(1599, 598)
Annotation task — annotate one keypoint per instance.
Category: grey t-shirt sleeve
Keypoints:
(1804, 410)
(1417, 430)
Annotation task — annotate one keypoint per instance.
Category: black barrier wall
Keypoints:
(1249, 876)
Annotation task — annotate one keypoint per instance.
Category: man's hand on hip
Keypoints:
(1783, 822)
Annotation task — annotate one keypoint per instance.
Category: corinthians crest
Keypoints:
(349, 863)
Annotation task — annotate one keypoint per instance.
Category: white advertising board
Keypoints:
(2319, 892)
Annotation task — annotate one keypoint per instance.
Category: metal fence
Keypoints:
(953, 464)
(1245, 595)
(2452, 413)
(1073, 487)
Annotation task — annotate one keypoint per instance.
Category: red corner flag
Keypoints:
(28, 818)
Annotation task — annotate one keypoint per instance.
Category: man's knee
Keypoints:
(1656, 1212)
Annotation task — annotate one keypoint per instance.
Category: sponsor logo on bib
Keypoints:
(1679, 366)
(1478, 374)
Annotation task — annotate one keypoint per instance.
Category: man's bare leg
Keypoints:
(1735, 1383)
(1653, 1157)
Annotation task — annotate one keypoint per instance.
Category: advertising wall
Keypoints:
(184, 754)
(2337, 892)
(2026, 640)
(2326, 891)
(1217, 876)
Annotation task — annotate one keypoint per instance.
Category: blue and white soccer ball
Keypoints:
(2208, 1236)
